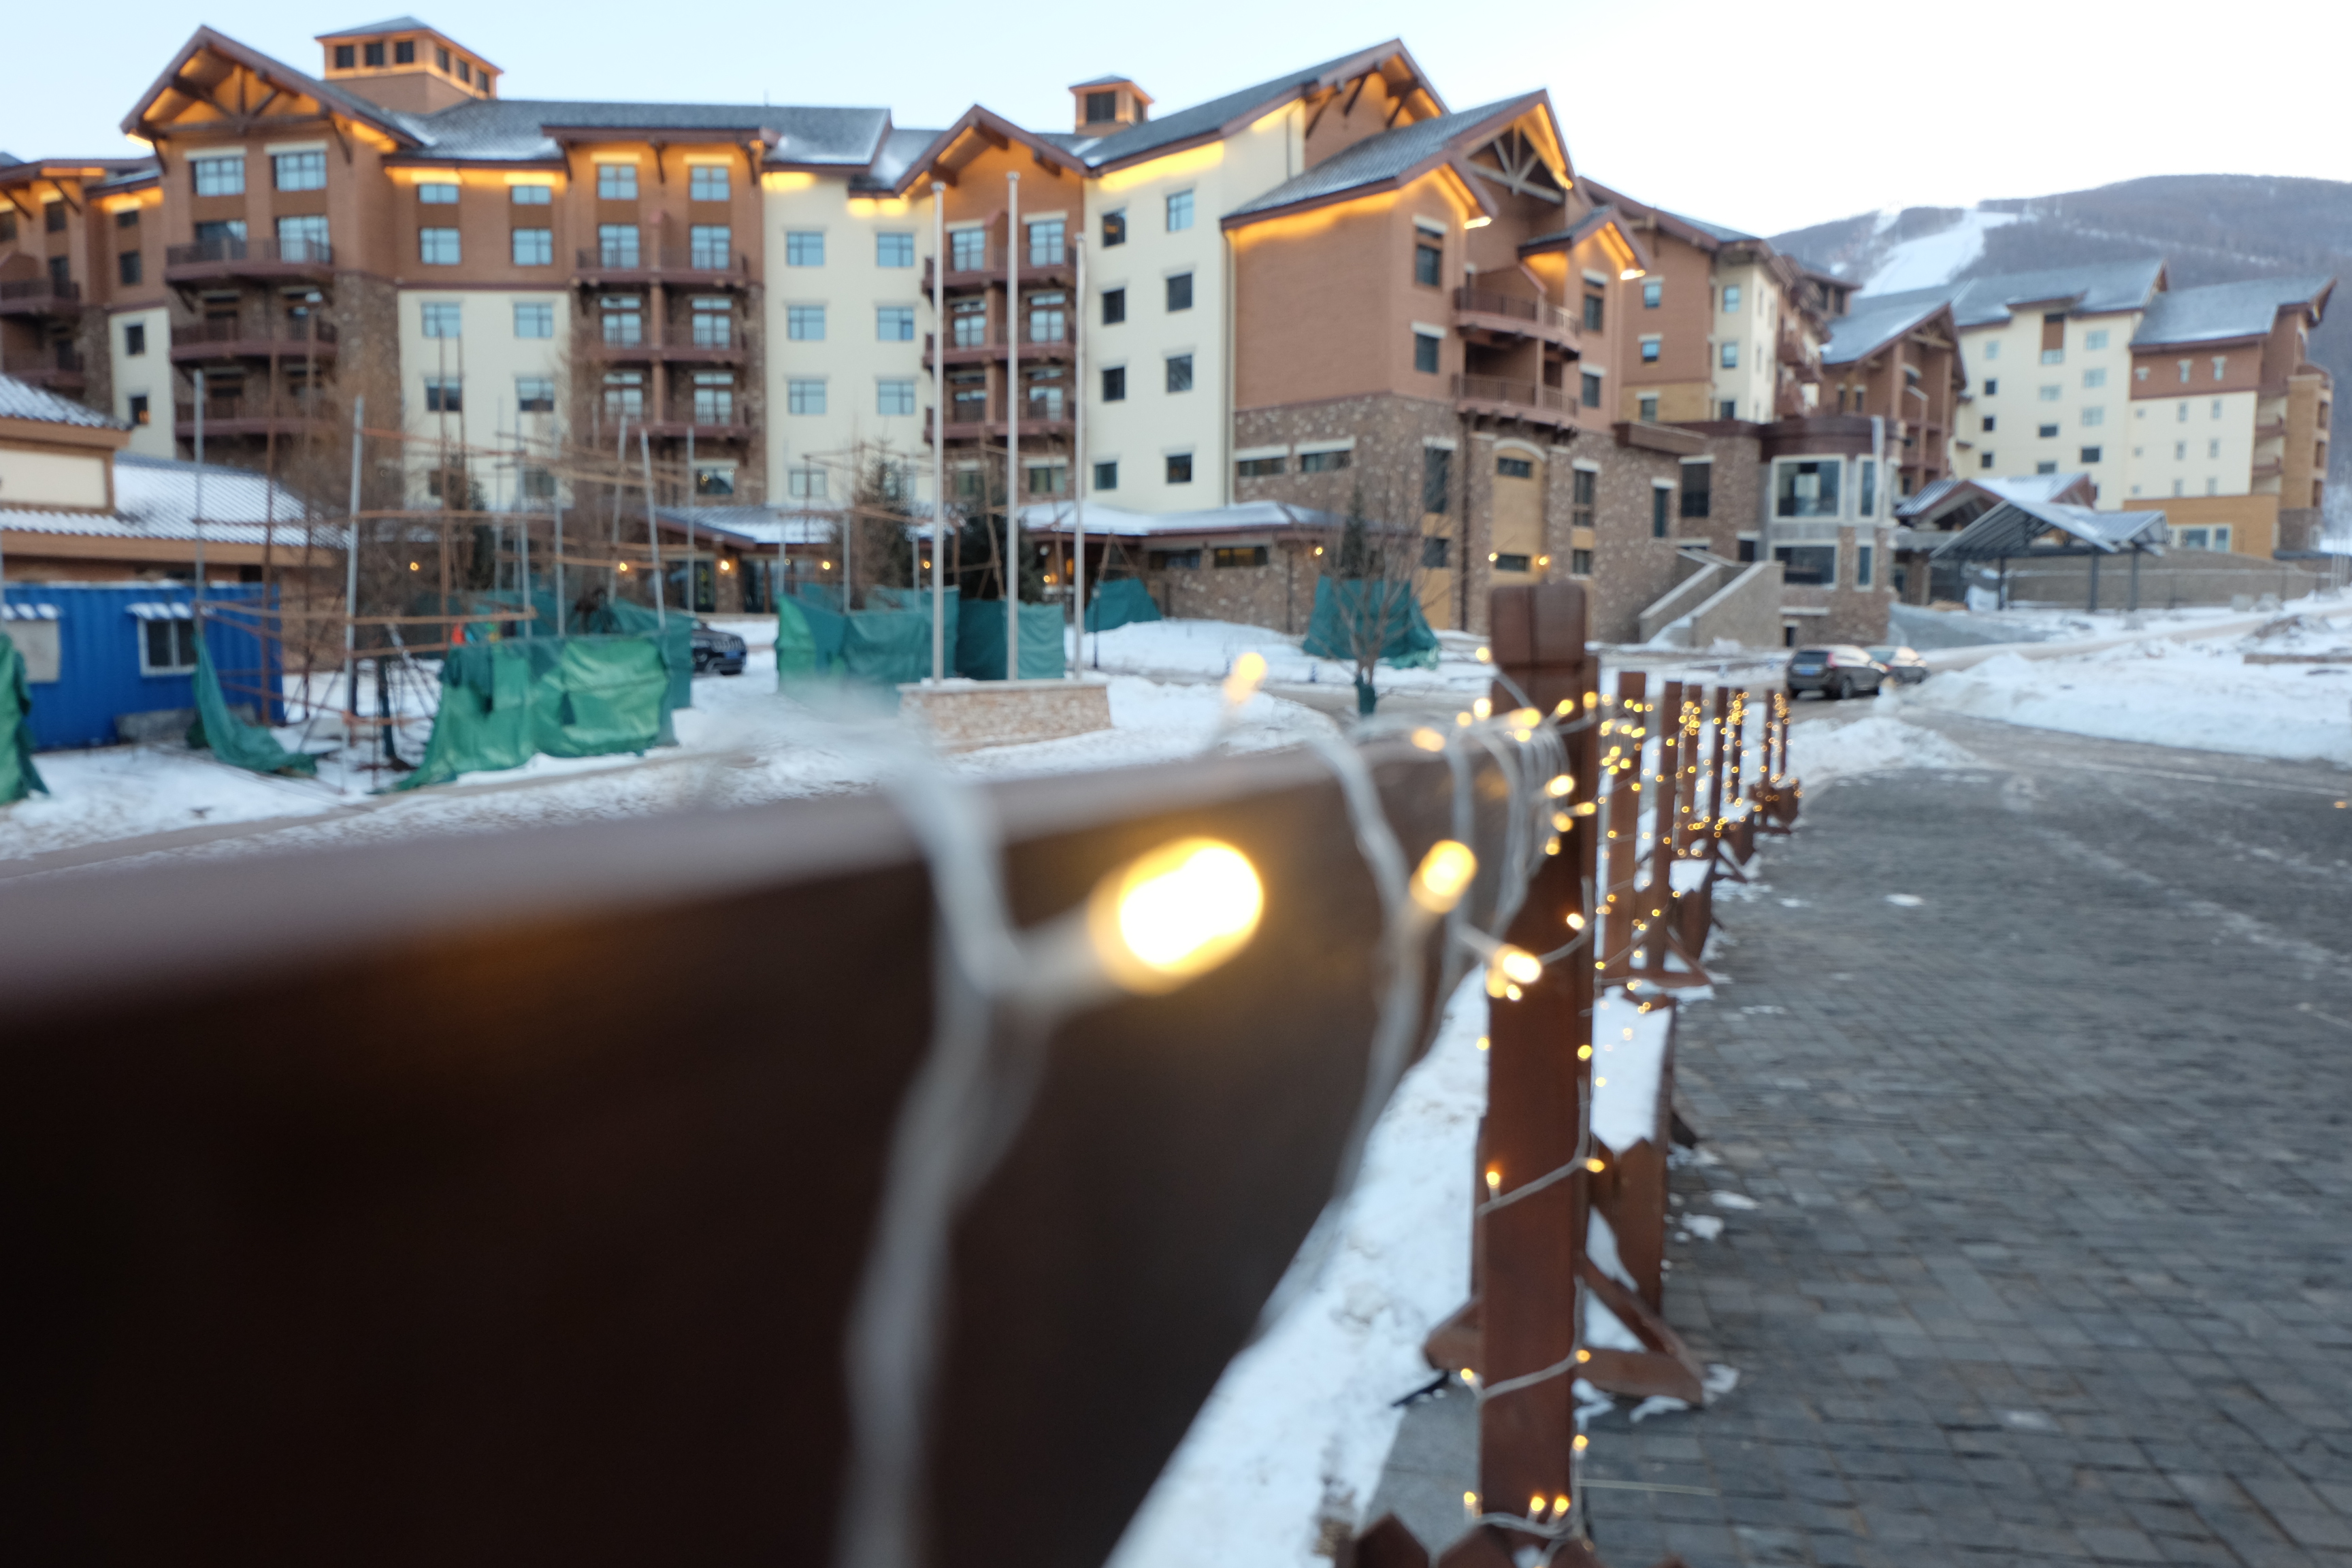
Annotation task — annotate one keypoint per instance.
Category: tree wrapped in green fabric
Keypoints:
(1368, 608)
(19, 776)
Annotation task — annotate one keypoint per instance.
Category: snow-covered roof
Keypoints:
(2012, 527)
(1390, 155)
(1210, 118)
(2093, 288)
(1941, 496)
(1866, 331)
(2224, 310)
(23, 400)
(1247, 517)
(155, 498)
(514, 130)
(754, 524)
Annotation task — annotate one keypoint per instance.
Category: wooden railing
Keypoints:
(299, 331)
(1522, 393)
(32, 291)
(1492, 302)
(271, 252)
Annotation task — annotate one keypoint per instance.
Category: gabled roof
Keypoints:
(2012, 527)
(1866, 331)
(98, 171)
(1220, 115)
(989, 125)
(401, 128)
(2096, 288)
(1939, 497)
(1706, 236)
(1591, 223)
(1390, 159)
(2225, 311)
(23, 400)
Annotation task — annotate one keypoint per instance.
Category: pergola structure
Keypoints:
(2041, 530)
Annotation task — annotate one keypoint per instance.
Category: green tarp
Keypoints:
(676, 632)
(980, 641)
(809, 634)
(1120, 602)
(503, 703)
(19, 776)
(886, 644)
(230, 738)
(1370, 603)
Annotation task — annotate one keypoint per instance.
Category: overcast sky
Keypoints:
(1762, 117)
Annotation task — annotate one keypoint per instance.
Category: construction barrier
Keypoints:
(19, 776)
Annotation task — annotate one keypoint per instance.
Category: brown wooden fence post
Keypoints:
(1621, 727)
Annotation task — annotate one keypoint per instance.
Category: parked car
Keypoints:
(717, 650)
(1907, 666)
(1839, 669)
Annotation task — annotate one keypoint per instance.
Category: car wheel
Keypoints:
(1845, 688)
(1794, 694)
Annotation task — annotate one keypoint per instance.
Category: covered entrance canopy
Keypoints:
(2038, 529)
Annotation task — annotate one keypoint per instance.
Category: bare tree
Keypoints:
(1379, 575)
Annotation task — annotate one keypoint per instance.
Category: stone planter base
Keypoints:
(966, 715)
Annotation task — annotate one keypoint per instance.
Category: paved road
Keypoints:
(2052, 1260)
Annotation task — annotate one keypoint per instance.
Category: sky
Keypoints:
(1755, 116)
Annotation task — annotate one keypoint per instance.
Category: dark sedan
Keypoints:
(1839, 670)
(716, 651)
(1905, 666)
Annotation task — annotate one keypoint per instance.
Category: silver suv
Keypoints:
(1837, 669)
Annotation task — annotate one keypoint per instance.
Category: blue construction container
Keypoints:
(126, 651)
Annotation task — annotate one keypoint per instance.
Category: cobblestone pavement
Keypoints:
(2052, 1256)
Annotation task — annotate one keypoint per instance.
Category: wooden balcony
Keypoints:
(687, 267)
(722, 423)
(1051, 345)
(1496, 397)
(1488, 315)
(238, 415)
(645, 353)
(1044, 266)
(1036, 425)
(57, 366)
(211, 341)
(260, 260)
(40, 297)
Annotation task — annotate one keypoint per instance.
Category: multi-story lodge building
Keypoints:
(2201, 403)
(1328, 290)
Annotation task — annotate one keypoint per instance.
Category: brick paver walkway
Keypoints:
(2052, 1261)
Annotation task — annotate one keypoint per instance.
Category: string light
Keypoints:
(1174, 913)
(1484, 708)
(1493, 1180)
(1428, 739)
(1244, 679)
(1443, 876)
(1562, 784)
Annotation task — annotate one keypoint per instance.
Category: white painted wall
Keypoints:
(74, 479)
(490, 358)
(2030, 394)
(2202, 444)
(148, 373)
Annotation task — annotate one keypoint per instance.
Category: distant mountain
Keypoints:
(2210, 229)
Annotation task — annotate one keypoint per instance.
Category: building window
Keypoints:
(1593, 311)
(534, 319)
(531, 196)
(1428, 263)
(2053, 356)
(2217, 408)
(1728, 356)
(1102, 107)
(625, 394)
(226, 177)
(1047, 243)
(1863, 564)
(300, 170)
(1325, 462)
(805, 396)
(1654, 293)
(1048, 478)
(1257, 468)
(1179, 472)
(303, 239)
(1240, 555)
(617, 181)
(129, 267)
(894, 250)
(1646, 408)
(534, 247)
(1650, 347)
(373, 54)
(1662, 498)
(1985, 461)
(1180, 292)
(1180, 374)
(709, 246)
(538, 483)
(1728, 410)
(1992, 349)
(805, 483)
(438, 246)
(127, 218)
(1809, 565)
(2221, 363)
(1806, 488)
(346, 57)
(167, 645)
(2179, 451)
(134, 339)
(139, 411)
(2184, 372)
(1425, 352)
(2090, 455)
(1579, 563)
(804, 323)
(445, 394)
(616, 244)
(2048, 393)
(894, 398)
(894, 323)
(968, 323)
(706, 182)
(1589, 390)
(1731, 298)
(805, 248)
(1106, 476)
(1436, 552)
(1698, 489)
(2095, 416)
(1179, 211)
(1049, 321)
(2096, 339)
(535, 394)
(443, 56)
(1992, 388)
(1515, 467)
(466, 71)
(1989, 421)
(2094, 378)
(1508, 562)
(1582, 497)
(967, 250)
(1436, 479)
(1174, 560)
(1114, 307)
(2045, 432)
(2046, 467)
(1114, 232)
(1869, 507)
(437, 192)
(1114, 383)
(1746, 554)
(714, 324)
(444, 319)
(714, 397)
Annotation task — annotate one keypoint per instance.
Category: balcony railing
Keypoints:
(987, 263)
(40, 294)
(227, 252)
(1515, 393)
(695, 261)
(46, 360)
(239, 413)
(1539, 313)
(1032, 335)
(296, 336)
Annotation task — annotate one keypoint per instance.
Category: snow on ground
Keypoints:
(1206, 650)
(2200, 695)
(1935, 258)
(1306, 1413)
(1821, 749)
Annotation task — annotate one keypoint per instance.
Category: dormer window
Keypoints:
(373, 54)
(1102, 108)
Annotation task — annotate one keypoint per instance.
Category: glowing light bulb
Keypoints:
(1174, 913)
(1486, 655)
(1561, 784)
(1523, 718)
(1575, 922)
(1583, 1355)
(1482, 1042)
(1583, 1442)
(1520, 964)
(1559, 1507)
(1247, 676)
(1470, 1376)
(1443, 876)
(1429, 739)
(1469, 1500)
(1584, 1053)
(1493, 1180)
(1484, 708)
(1536, 1506)
(1595, 1165)
(1551, 845)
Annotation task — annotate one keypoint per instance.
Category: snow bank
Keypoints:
(1307, 1410)
(2202, 696)
(1629, 1055)
(1206, 650)
(1820, 751)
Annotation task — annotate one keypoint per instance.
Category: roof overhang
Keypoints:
(1623, 247)
(1330, 80)
(977, 131)
(281, 78)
